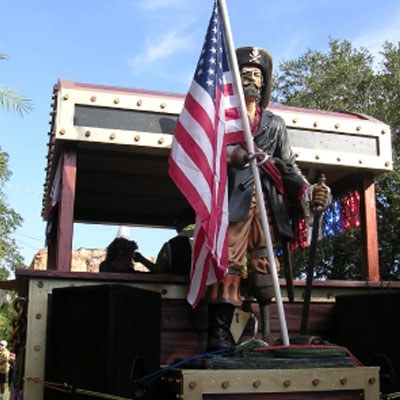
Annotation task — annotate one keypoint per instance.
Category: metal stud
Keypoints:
(139, 102)
(317, 157)
(287, 383)
(62, 131)
(359, 128)
(372, 380)
(360, 161)
(295, 120)
(163, 105)
(112, 136)
(339, 158)
(192, 385)
(257, 383)
(387, 163)
(66, 96)
(343, 381)
(93, 99)
(225, 384)
(337, 126)
(87, 133)
(116, 100)
(315, 124)
(136, 138)
(161, 140)
(315, 382)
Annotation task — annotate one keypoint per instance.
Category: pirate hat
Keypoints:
(255, 56)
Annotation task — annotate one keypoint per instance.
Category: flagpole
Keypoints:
(253, 164)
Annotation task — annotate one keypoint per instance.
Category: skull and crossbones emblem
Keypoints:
(255, 56)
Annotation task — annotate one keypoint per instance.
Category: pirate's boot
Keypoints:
(219, 322)
(222, 297)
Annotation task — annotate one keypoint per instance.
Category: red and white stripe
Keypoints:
(198, 168)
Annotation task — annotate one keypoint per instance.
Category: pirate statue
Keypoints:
(281, 180)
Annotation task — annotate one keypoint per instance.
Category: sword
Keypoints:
(311, 262)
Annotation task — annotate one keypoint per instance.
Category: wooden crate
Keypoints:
(273, 384)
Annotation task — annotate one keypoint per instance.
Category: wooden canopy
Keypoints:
(108, 161)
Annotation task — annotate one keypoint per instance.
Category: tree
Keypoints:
(346, 79)
(388, 185)
(11, 99)
(10, 258)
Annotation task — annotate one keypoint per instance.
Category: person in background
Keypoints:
(119, 256)
(4, 366)
(11, 362)
(175, 256)
(121, 253)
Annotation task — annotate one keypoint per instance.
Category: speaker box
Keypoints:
(99, 338)
(367, 325)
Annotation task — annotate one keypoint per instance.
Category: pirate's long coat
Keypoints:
(272, 138)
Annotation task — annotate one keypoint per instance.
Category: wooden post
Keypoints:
(52, 239)
(369, 231)
(66, 212)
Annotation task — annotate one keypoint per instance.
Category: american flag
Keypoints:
(197, 164)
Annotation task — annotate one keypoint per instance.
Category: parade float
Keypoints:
(89, 334)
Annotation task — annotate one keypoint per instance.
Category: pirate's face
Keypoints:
(252, 81)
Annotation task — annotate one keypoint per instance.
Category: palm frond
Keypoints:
(11, 99)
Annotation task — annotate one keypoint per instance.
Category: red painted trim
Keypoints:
(164, 278)
(69, 84)
(369, 231)
(66, 213)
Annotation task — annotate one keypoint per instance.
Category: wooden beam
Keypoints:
(52, 238)
(66, 212)
(369, 231)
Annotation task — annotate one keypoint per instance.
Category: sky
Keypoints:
(143, 44)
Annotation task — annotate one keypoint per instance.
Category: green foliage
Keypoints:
(7, 313)
(342, 78)
(346, 79)
(10, 259)
(12, 100)
(337, 264)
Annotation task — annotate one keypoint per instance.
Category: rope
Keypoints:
(155, 375)
(64, 387)
(391, 396)
(311, 350)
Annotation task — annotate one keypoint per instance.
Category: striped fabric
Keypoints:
(208, 122)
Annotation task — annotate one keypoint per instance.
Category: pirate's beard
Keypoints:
(252, 91)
